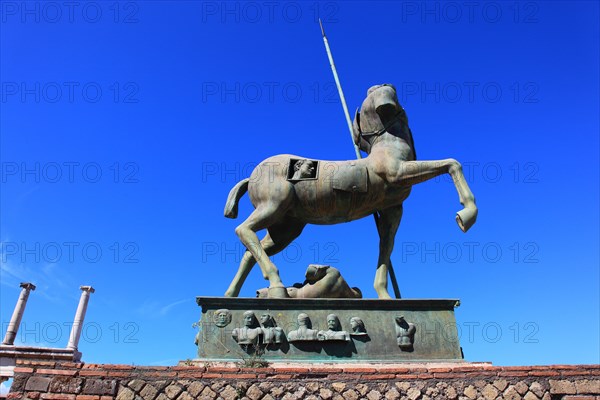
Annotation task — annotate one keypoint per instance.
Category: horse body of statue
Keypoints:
(344, 190)
(289, 192)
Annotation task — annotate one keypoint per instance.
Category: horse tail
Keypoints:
(231, 207)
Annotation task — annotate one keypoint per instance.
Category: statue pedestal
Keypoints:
(407, 330)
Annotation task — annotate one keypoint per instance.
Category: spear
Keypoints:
(339, 88)
(356, 149)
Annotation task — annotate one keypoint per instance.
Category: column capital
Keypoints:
(87, 289)
(27, 285)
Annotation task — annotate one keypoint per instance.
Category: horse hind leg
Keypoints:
(246, 265)
(261, 218)
(278, 237)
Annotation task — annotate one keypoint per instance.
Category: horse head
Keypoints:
(378, 113)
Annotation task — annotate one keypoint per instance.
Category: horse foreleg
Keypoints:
(389, 221)
(413, 172)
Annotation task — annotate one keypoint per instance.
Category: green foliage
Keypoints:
(253, 359)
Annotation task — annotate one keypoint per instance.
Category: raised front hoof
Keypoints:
(278, 292)
(466, 217)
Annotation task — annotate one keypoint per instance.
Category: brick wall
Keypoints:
(78, 381)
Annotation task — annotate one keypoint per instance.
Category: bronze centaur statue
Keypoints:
(289, 192)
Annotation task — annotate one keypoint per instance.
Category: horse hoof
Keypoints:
(465, 218)
(384, 296)
(278, 292)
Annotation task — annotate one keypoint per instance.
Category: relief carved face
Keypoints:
(307, 169)
(303, 319)
(333, 322)
(357, 324)
(266, 320)
(304, 169)
(222, 318)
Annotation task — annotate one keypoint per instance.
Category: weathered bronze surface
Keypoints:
(329, 330)
(289, 191)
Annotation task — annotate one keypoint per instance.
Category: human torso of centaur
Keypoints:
(339, 191)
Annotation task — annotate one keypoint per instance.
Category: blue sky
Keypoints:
(125, 124)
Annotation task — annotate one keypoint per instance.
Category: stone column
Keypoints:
(79, 317)
(15, 321)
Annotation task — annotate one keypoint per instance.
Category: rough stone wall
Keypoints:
(78, 381)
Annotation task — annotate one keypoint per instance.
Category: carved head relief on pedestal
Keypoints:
(358, 326)
(304, 332)
(250, 333)
(335, 332)
(222, 317)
